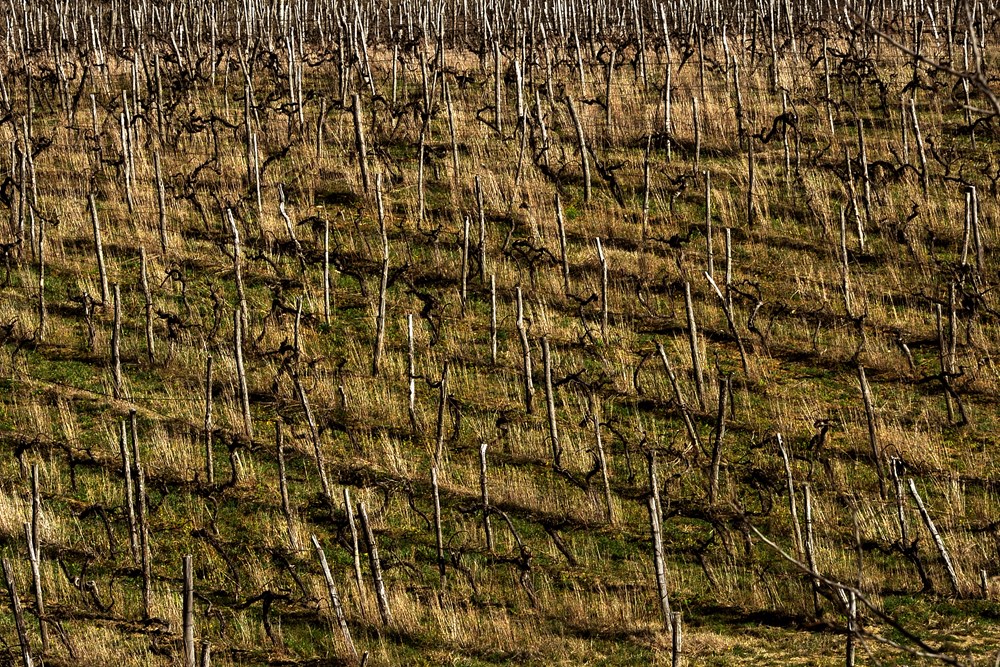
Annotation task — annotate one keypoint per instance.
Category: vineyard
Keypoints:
(499, 332)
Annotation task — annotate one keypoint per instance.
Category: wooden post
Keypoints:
(36, 579)
(117, 386)
(938, 542)
(720, 432)
(338, 608)
(442, 412)
(327, 312)
(148, 298)
(355, 552)
(918, 140)
(238, 266)
(314, 435)
(384, 282)
(493, 318)
(895, 468)
(582, 142)
(286, 505)
(709, 251)
(482, 229)
(15, 604)
(188, 612)
(497, 89)
(655, 522)
(438, 533)
(522, 330)
(852, 627)
(41, 278)
(129, 492)
(550, 403)
(792, 505)
(144, 548)
(376, 566)
(209, 457)
(161, 205)
(359, 143)
(561, 225)
(595, 414)
(485, 496)
(810, 545)
(866, 395)
(604, 290)
(697, 135)
(464, 293)
(411, 371)
(727, 310)
(36, 509)
(679, 398)
(699, 377)
(676, 637)
(241, 374)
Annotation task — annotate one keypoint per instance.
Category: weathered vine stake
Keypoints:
(355, 552)
(209, 457)
(15, 604)
(550, 403)
(148, 298)
(604, 289)
(438, 533)
(376, 566)
(359, 143)
(938, 542)
(522, 331)
(485, 497)
(133, 538)
(384, 282)
(655, 523)
(331, 589)
(699, 378)
(241, 374)
(582, 145)
(117, 386)
(188, 612)
(36, 584)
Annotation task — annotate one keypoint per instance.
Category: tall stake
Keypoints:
(938, 542)
(36, 579)
(209, 458)
(792, 505)
(866, 395)
(438, 533)
(604, 289)
(550, 403)
(241, 374)
(376, 566)
(384, 283)
(338, 608)
(355, 552)
(522, 330)
(116, 336)
(442, 412)
(359, 143)
(188, 612)
(485, 497)
(148, 298)
(699, 378)
(15, 604)
(655, 521)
